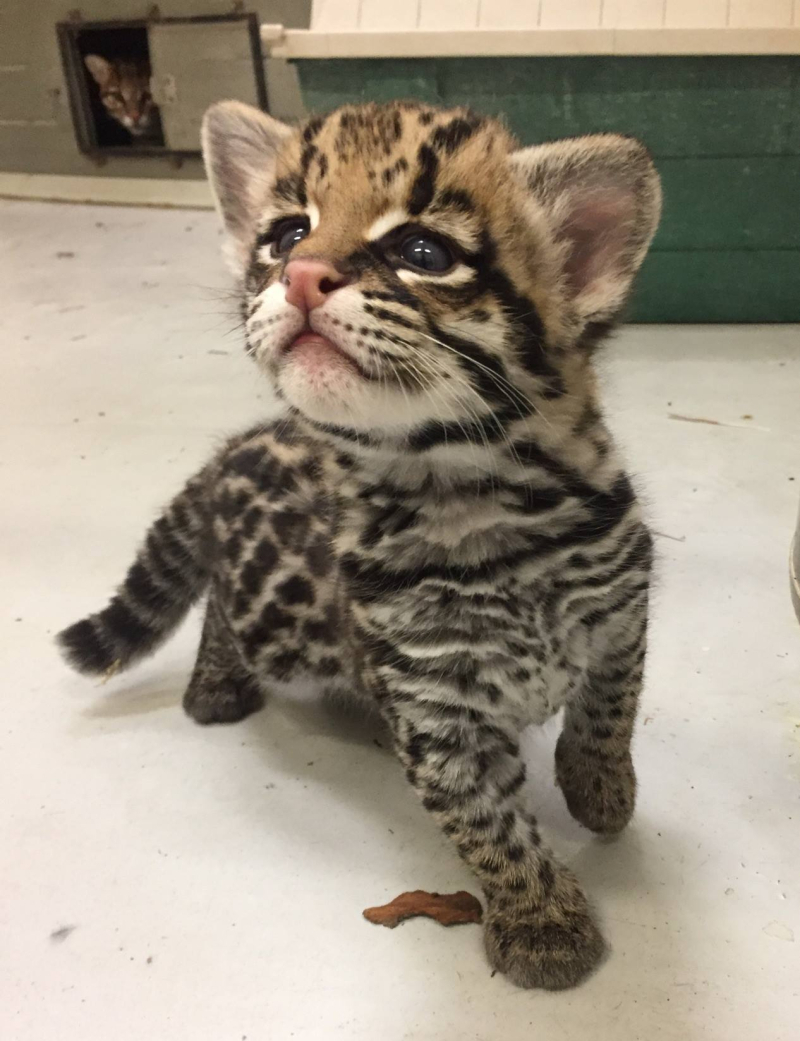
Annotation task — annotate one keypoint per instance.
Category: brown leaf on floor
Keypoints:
(444, 908)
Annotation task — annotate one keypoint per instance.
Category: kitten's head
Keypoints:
(125, 92)
(410, 271)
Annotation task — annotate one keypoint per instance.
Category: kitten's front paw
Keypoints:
(554, 948)
(600, 793)
(544, 949)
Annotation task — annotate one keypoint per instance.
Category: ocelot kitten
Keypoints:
(439, 522)
(125, 93)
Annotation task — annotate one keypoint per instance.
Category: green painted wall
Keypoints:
(725, 132)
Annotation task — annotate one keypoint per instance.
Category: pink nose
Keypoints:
(309, 283)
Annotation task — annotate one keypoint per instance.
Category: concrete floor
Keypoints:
(163, 881)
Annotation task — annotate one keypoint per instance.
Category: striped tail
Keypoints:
(169, 574)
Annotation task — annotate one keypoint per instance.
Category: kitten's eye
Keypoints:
(287, 234)
(426, 253)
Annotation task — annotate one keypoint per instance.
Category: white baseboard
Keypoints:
(109, 191)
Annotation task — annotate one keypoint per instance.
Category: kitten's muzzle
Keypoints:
(313, 350)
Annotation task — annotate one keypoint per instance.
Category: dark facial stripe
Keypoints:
(288, 188)
(455, 199)
(390, 316)
(436, 432)
(494, 384)
(424, 186)
(312, 128)
(310, 153)
(392, 171)
(364, 259)
(454, 134)
(399, 293)
(306, 159)
(522, 311)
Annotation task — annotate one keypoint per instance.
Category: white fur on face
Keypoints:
(272, 324)
(386, 223)
(339, 395)
(459, 276)
(489, 334)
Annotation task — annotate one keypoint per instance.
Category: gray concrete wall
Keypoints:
(36, 131)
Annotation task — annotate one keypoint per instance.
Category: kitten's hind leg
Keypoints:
(594, 768)
(222, 689)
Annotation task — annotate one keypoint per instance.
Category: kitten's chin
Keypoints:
(327, 385)
(346, 401)
(319, 360)
(331, 395)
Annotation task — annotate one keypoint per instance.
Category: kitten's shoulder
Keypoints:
(275, 455)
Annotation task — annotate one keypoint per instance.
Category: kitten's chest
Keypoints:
(495, 646)
(433, 591)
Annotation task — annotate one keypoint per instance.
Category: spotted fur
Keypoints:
(443, 527)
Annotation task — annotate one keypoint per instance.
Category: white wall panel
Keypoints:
(509, 14)
(448, 14)
(633, 14)
(334, 15)
(760, 14)
(444, 15)
(696, 14)
(570, 14)
(389, 14)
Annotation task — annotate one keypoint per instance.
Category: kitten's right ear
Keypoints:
(240, 150)
(100, 68)
(602, 195)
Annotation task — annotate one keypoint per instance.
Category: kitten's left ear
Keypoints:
(240, 151)
(100, 68)
(602, 195)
